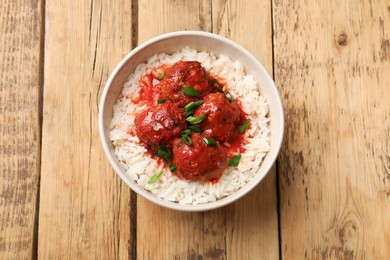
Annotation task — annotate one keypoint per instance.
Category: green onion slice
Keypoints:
(229, 96)
(186, 132)
(215, 84)
(192, 105)
(161, 76)
(196, 120)
(189, 113)
(161, 101)
(189, 91)
(195, 129)
(235, 160)
(155, 177)
(244, 126)
(166, 161)
(172, 168)
(163, 152)
(186, 139)
(209, 141)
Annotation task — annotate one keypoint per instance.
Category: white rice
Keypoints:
(139, 166)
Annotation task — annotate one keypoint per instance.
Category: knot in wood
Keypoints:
(342, 39)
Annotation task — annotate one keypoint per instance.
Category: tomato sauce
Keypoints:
(194, 141)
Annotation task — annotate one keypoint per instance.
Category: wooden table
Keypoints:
(328, 197)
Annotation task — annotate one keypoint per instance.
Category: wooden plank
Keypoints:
(332, 63)
(247, 228)
(252, 222)
(85, 209)
(20, 44)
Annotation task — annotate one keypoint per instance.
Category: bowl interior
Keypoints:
(170, 43)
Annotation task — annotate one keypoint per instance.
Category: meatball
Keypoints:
(184, 73)
(223, 117)
(159, 124)
(198, 161)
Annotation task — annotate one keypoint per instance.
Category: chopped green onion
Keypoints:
(163, 152)
(195, 128)
(244, 126)
(155, 177)
(166, 161)
(215, 84)
(191, 92)
(209, 141)
(161, 76)
(186, 139)
(229, 96)
(189, 113)
(235, 160)
(172, 168)
(196, 120)
(192, 105)
(186, 132)
(161, 101)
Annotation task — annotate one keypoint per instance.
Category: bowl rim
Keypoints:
(173, 205)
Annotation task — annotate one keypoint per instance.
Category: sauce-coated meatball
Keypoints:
(198, 161)
(184, 73)
(223, 117)
(159, 124)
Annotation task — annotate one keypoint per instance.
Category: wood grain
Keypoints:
(85, 209)
(332, 64)
(249, 228)
(20, 70)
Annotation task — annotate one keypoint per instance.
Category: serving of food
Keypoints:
(190, 127)
(191, 121)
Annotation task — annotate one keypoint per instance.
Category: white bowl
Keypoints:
(202, 41)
